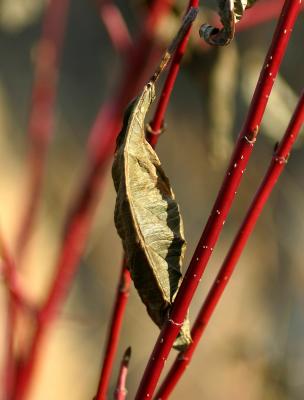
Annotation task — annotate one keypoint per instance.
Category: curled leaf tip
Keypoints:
(230, 13)
(214, 36)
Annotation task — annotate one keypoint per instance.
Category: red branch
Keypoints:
(121, 391)
(8, 270)
(157, 123)
(113, 335)
(275, 169)
(239, 160)
(122, 295)
(40, 126)
(102, 139)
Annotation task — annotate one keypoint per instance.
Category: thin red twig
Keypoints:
(14, 282)
(121, 390)
(157, 123)
(122, 295)
(102, 139)
(40, 126)
(9, 269)
(275, 169)
(113, 335)
(239, 160)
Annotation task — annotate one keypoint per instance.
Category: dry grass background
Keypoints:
(253, 348)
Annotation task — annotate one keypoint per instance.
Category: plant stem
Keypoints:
(239, 160)
(40, 126)
(101, 145)
(9, 360)
(275, 169)
(121, 391)
(113, 335)
(156, 125)
(125, 279)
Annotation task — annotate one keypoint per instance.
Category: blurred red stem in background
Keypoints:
(275, 169)
(40, 126)
(116, 26)
(122, 295)
(8, 270)
(238, 163)
(101, 146)
(121, 391)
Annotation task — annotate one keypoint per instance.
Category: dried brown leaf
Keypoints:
(147, 217)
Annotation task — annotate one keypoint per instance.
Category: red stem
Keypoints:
(102, 139)
(275, 169)
(223, 202)
(40, 126)
(121, 296)
(9, 269)
(113, 335)
(121, 391)
(9, 366)
(15, 286)
(157, 123)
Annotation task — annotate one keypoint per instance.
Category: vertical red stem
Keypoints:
(40, 126)
(113, 335)
(275, 169)
(223, 202)
(157, 122)
(9, 361)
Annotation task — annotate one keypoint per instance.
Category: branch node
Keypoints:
(281, 159)
(251, 138)
(157, 132)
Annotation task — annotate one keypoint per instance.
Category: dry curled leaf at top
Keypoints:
(230, 12)
(147, 217)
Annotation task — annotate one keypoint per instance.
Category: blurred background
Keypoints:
(253, 348)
